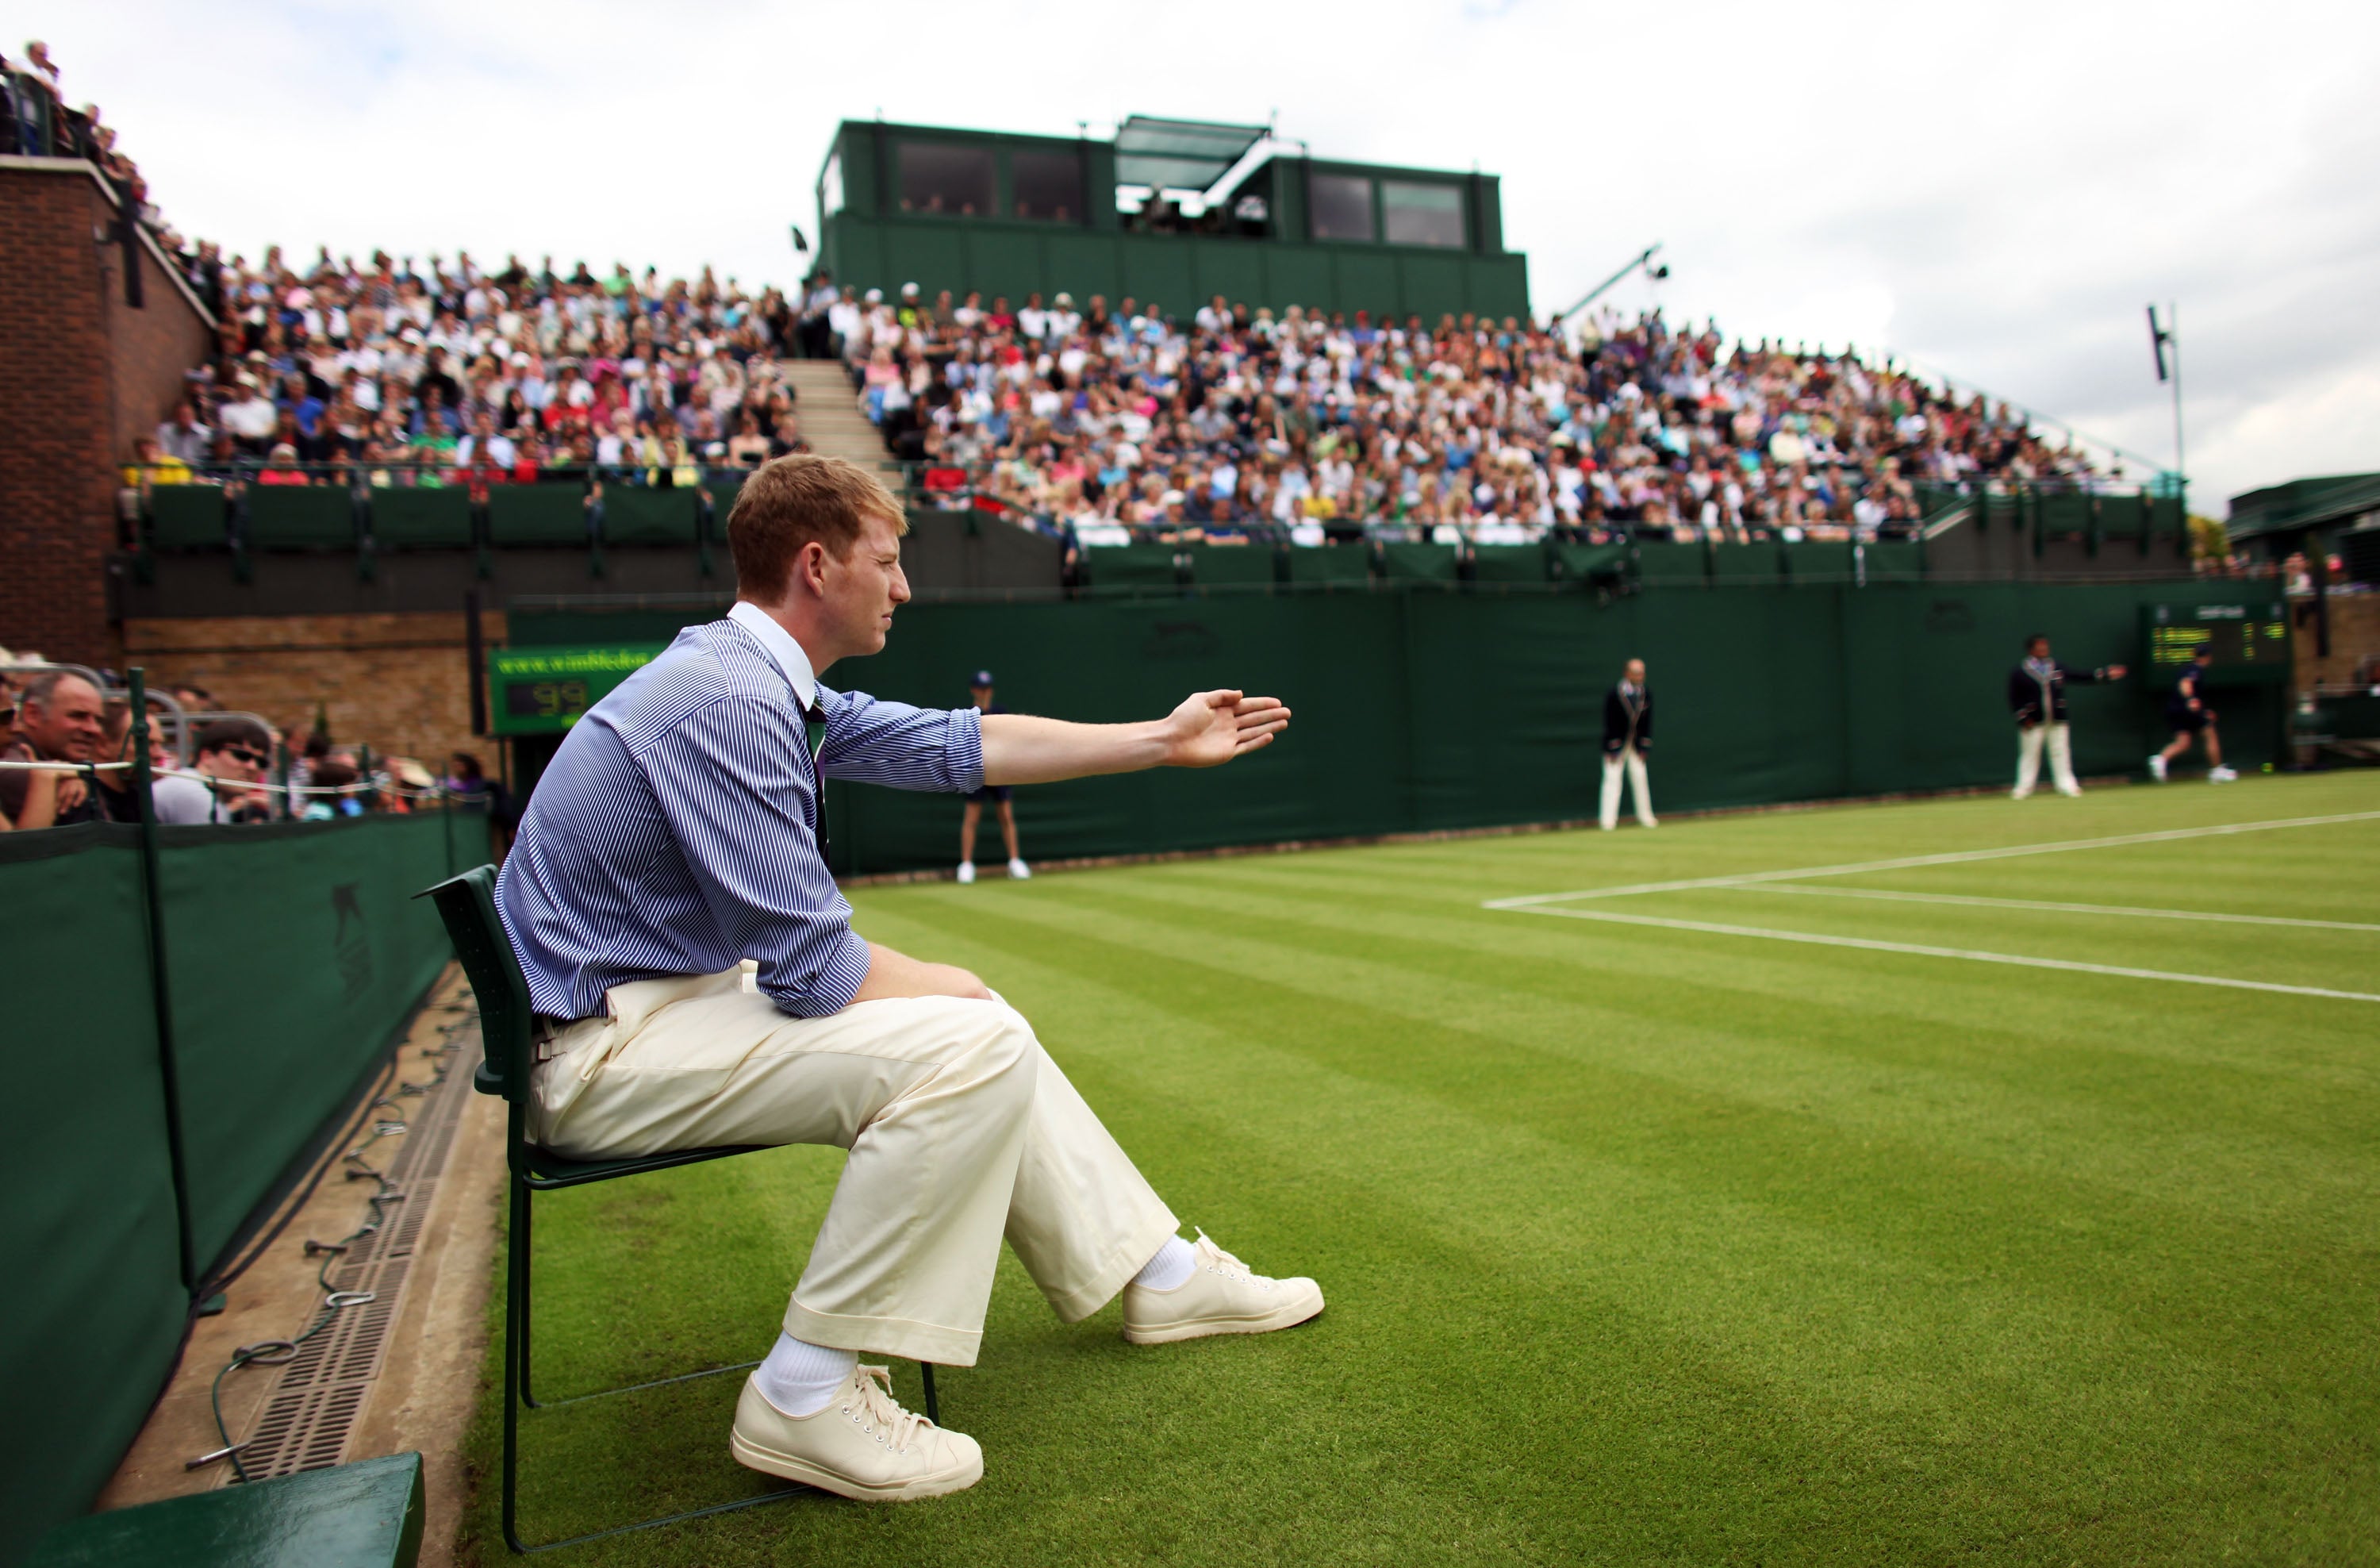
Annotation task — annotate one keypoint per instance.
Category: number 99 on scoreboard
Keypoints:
(2250, 640)
(546, 690)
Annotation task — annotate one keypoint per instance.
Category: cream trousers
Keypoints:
(2030, 741)
(960, 1130)
(1633, 762)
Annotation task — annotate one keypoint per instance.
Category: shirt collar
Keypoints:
(782, 647)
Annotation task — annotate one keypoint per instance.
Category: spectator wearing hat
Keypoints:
(979, 693)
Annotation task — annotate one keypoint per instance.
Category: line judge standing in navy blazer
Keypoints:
(1627, 740)
(698, 983)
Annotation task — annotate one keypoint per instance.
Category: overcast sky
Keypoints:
(1993, 193)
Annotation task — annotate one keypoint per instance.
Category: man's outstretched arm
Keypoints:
(1208, 729)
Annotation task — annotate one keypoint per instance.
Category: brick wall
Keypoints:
(81, 376)
(397, 681)
(2354, 636)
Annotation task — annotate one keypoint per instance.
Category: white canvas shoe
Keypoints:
(860, 1444)
(2156, 765)
(1019, 871)
(1222, 1295)
(966, 872)
(2220, 775)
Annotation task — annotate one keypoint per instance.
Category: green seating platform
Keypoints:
(367, 1515)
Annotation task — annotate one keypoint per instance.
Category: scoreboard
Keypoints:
(2249, 638)
(545, 691)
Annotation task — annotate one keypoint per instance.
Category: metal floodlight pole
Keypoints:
(1597, 292)
(2164, 342)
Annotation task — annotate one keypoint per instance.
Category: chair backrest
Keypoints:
(467, 905)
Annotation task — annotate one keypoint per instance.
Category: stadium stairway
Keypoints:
(831, 421)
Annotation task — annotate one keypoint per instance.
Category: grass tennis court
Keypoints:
(1644, 1243)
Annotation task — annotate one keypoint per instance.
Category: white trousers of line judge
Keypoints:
(2031, 739)
(1628, 760)
(960, 1128)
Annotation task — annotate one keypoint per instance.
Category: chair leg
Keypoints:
(525, 1245)
(933, 1405)
(516, 1252)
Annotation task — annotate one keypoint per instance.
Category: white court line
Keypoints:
(2058, 909)
(1950, 858)
(2123, 971)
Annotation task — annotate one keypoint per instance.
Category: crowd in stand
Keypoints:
(1128, 422)
(1223, 424)
(388, 372)
(66, 738)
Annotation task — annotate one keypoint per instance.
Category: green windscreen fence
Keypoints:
(1437, 708)
(293, 955)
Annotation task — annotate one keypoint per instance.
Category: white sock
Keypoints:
(1170, 1268)
(799, 1378)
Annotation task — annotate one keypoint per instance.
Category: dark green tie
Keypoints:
(813, 730)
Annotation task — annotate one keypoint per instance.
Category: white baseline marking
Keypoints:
(1950, 858)
(2123, 971)
(2043, 903)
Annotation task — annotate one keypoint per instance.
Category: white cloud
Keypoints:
(1991, 193)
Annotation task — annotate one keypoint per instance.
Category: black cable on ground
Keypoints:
(276, 1353)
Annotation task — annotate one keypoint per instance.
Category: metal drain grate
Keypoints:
(306, 1422)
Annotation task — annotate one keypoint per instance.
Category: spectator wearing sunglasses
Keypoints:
(232, 753)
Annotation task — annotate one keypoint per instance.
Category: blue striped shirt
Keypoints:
(676, 830)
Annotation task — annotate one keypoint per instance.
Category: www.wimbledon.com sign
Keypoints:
(544, 690)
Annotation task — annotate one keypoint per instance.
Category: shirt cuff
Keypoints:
(839, 979)
(963, 753)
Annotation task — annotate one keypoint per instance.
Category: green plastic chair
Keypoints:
(421, 516)
(188, 516)
(636, 515)
(467, 905)
(300, 517)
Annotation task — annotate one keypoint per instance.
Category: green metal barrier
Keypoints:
(1231, 566)
(650, 517)
(88, 1236)
(421, 515)
(188, 516)
(1348, 563)
(1129, 568)
(1419, 562)
(300, 517)
(1508, 562)
(155, 1110)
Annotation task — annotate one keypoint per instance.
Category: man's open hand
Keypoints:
(1212, 727)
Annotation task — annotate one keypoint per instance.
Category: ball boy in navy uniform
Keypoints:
(2187, 712)
(980, 692)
